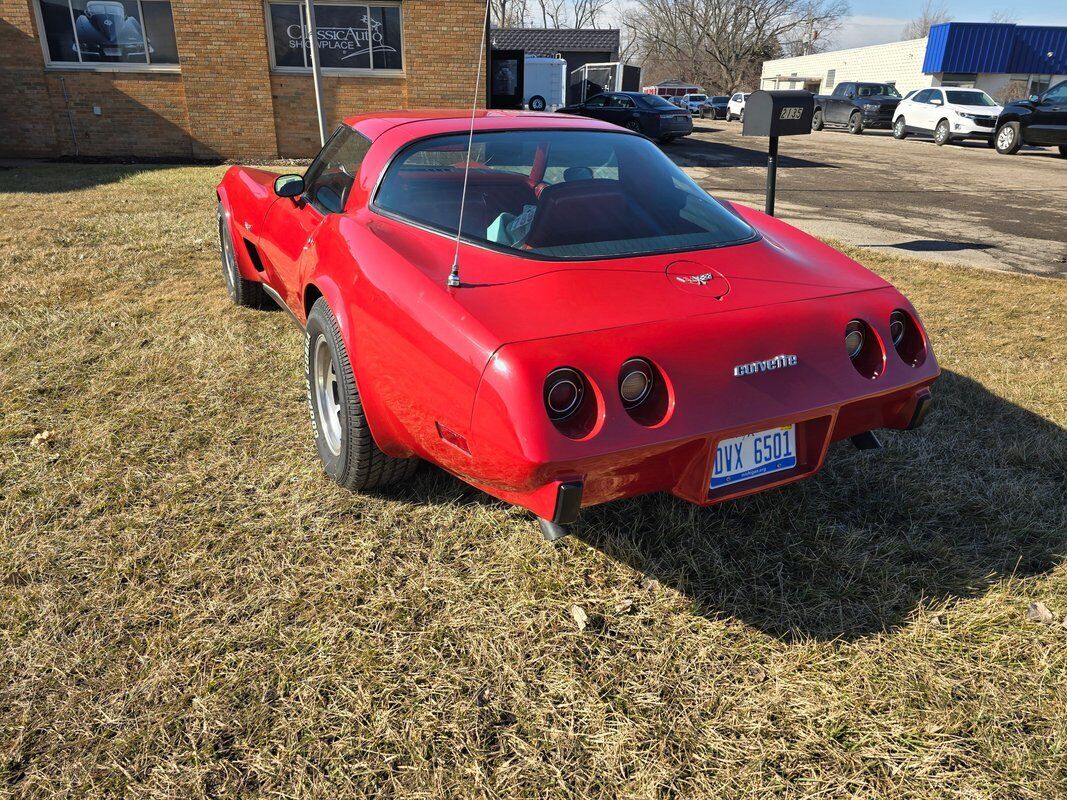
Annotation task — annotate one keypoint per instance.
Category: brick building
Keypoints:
(222, 79)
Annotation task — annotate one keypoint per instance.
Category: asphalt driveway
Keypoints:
(959, 203)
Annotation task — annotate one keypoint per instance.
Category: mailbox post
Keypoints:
(773, 114)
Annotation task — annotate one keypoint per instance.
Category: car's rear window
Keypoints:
(697, 98)
(558, 194)
(655, 101)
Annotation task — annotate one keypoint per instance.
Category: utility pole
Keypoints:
(316, 69)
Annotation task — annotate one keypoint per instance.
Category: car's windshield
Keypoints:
(697, 98)
(873, 89)
(722, 99)
(970, 98)
(655, 101)
(558, 194)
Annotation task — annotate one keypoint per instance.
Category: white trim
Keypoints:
(97, 66)
(337, 72)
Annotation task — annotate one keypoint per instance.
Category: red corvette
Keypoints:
(601, 328)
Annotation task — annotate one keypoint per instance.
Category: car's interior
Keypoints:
(610, 192)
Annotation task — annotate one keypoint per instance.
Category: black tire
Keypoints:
(1007, 139)
(855, 123)
(942, 136)
(633, 125)
(1063, 151)
(817, 122)
(741, 116)
(242, 291)
(351, 458)
(538, 103)
(900, 129)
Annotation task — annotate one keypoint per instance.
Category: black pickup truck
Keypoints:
(857, 106)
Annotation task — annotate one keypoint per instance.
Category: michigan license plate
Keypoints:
(752, 455)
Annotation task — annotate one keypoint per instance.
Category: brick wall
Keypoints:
(26, 118)
(225, 103)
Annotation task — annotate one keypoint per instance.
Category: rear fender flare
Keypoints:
(383, 426)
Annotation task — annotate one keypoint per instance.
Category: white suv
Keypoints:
(948, 114)
(735, 109)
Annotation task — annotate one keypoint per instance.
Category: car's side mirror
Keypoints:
(289, 186)
(850, 96)
(935, 102)
(1035, 99)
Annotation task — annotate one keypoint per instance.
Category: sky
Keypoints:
(870, 24)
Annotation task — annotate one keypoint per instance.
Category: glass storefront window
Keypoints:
(109, 32)
(350, 36)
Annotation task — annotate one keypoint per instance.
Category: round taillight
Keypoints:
(564, 389)
(855, 336)
(908, 339)
(636, 379)
(898, 326)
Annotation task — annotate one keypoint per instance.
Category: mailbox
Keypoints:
(784, 113)
(774, 114)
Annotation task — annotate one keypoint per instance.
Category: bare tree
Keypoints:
(587, 13)
(933, 12)
(722, 44)
(1008, 15)
(508, 13)
(554, 13)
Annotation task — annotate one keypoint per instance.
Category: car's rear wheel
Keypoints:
(941, 133)
(1063, 150)
(342, 437)
(741, 116)
(634, 125)
(817, 120)
(242, 291)
(900, 128)
(1007, 140)
(855, 123)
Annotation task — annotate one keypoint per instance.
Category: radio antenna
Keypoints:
(453, 276)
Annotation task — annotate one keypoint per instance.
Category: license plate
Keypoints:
(752, 455)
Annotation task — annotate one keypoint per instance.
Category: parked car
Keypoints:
(735, 107)
(715, 107)
(693, 102)
(557, 355)
(1041, 120)
(856, 105)
(106, 33)
(643, 113)
(947, 114)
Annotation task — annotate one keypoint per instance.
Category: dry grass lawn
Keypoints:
(188, 608)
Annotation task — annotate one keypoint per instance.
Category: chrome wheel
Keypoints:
(327, 395)
(941, 134)
(1006, 138)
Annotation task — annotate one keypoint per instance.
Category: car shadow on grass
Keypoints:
(941, 513)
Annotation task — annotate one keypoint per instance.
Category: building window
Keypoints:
(108, 32)
(350, 37)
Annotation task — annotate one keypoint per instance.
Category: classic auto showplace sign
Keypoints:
(348, 37)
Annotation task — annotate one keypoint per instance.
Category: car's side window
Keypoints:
(1057, 94)
(842, 89)
(596, 102)
(923, 96)
(332, 174)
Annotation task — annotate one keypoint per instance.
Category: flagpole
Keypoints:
(316, 69)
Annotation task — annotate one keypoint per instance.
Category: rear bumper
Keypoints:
(683, 468)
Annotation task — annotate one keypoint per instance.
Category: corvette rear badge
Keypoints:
(697, 280)
(778, 362)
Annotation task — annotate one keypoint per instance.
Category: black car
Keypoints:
(649, 114)
(856, 105)
(715, 107)
(1039, 120)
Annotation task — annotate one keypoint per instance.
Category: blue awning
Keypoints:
(996, 47)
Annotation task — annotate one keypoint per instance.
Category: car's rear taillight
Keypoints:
(908, 338)
(864, 349)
